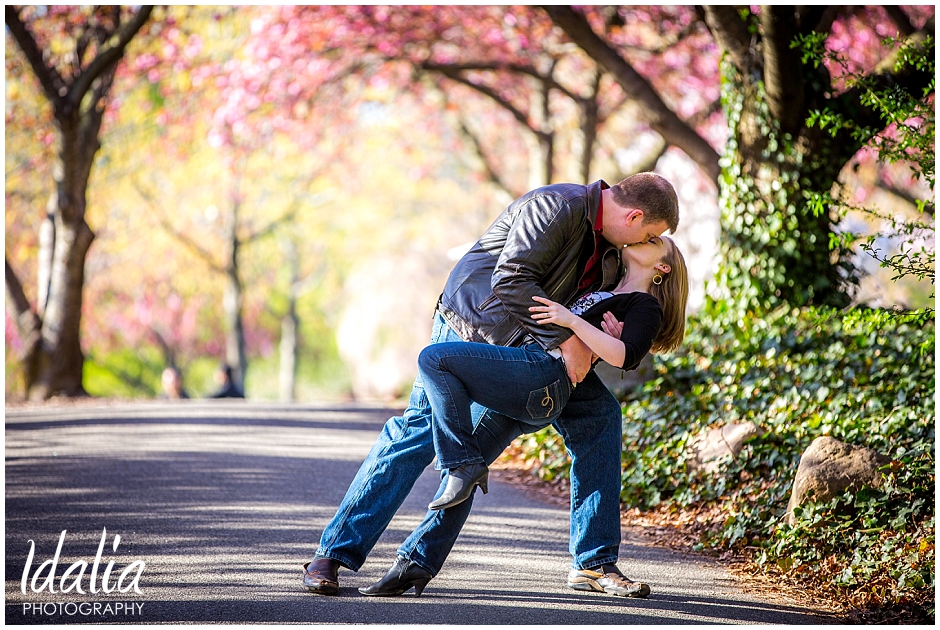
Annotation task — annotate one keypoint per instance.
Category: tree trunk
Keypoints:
(232, 305)
(62, 270)
(775, 248)
(54, 363)
(29, 326)
(290, 324)
(589, 121)
(289, 343)
(542, 144)
(63, 360)
(46, 252)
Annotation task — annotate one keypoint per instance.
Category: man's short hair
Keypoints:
(652, 194)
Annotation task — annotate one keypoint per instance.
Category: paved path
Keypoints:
(224, 500)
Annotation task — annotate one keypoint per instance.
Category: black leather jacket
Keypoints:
(539, 245)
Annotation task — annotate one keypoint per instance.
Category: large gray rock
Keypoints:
(830, 467)
(709, 447)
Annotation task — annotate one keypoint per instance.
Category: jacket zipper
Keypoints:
(487, 301)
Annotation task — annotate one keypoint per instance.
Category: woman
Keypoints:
(650, 300)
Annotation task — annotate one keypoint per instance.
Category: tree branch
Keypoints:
(899, 17)
(491, 174)
(270, 227)
(49, 78)
(730, 32)
(492, 94)
(190, 244)
(496, 67)
(28, 323)
(651, 160)
(108, 57)
(662, 119)
(912, 80)
(818, 18)
(783, 75)
(900, 193)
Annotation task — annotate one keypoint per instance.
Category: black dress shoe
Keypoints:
(320, 576)
(403, 575)
(460, 484)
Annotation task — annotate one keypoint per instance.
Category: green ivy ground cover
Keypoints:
(867, 379)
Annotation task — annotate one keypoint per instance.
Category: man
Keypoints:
(559, 242)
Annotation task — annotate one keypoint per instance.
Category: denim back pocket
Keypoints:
(547, 402)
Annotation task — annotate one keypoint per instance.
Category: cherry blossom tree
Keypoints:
(257, 93)
(775, 245)
(74, 53)
(510, 57)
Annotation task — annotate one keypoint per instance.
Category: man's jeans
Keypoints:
(525, 384)
(590, 425)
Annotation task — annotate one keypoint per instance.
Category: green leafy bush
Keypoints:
(798, 373)
(865, 379)
(874, 547)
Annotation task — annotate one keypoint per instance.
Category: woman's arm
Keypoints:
(608, 348)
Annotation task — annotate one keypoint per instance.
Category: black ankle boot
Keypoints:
(403, 575)
(460, 484)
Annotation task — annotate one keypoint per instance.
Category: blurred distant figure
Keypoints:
(228, 388)
(173, 384)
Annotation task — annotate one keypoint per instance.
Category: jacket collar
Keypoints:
(594, 198)
(611, 264)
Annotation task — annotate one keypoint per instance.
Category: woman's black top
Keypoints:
(641, 314)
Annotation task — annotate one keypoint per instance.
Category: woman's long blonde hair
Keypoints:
(672, 294)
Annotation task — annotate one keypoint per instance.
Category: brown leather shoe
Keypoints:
(320, 576)
(606, 578)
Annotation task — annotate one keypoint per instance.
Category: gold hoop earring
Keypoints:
(657, 279)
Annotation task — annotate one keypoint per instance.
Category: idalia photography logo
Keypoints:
(44, 578)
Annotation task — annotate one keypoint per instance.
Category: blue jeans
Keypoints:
(590, 424)
(525, 384)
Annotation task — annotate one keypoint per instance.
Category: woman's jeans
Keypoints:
(525, 384)
(590, 424)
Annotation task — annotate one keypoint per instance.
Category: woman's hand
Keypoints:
(611, 325)
(551, 313)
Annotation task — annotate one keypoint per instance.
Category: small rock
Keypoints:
(711, 445)
(830, 467)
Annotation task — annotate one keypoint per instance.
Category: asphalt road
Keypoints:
(224, 500)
